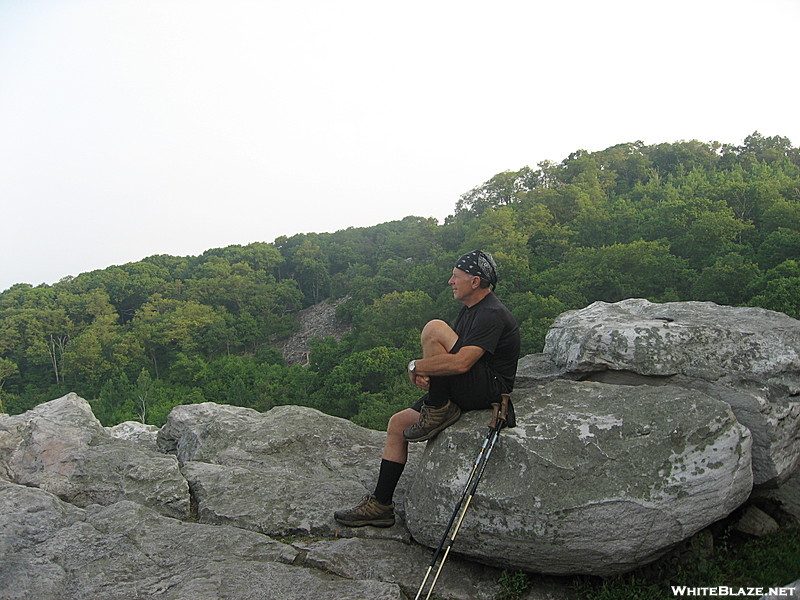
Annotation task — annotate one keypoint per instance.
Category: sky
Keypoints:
(130, 128)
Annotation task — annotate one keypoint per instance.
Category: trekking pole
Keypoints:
(499, 420)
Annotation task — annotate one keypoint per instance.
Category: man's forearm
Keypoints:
(448, 364)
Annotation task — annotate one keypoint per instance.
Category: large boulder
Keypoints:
(60, 447)
(748, 357)
(56, 551)
(281, 472)
(595, 479)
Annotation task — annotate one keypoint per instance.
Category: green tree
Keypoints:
(728, 281)
(394, 320)
(780, 245)
(7, 369)
(535, 314)
(359, 377)
(166, 326)
(780, 289)
(640, 269)
(116, 401)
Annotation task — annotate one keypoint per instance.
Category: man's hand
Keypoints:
(423, 382)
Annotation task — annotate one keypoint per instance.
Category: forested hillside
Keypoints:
(672, 221)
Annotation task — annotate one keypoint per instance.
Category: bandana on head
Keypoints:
(480, 264)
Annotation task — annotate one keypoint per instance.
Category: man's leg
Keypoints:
(377, 508)
(395, 448)
(437, 338)
(395, 454)
(439, 411)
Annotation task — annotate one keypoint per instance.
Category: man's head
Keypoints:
(480, 264)
(473, 275)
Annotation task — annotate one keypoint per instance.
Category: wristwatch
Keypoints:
(412, 366)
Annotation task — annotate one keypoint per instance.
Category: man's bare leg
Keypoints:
(396, 446)
(437, 338)
(376, 509)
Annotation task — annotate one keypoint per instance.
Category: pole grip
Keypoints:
(500, 411)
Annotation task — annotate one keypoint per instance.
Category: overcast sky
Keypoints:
(137, 127)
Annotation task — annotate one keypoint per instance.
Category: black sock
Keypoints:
(387, 480)
(437, 395)
(438, 403)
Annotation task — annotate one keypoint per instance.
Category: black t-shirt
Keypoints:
(491, 326)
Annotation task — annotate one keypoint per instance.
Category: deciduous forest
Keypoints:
(668, 222)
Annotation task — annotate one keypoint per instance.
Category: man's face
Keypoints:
(463, 284)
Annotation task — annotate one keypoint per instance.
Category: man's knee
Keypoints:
(438, 331)
(399, 421)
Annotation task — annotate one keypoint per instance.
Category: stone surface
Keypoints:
(406, 565)
(133, 431)
(748, 357)
(786, 496)
(756, 522)
(56, 551)
(60, 447)
(595, 479)
(292, 467)
(537, 368)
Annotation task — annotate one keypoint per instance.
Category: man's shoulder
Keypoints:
(492, 303)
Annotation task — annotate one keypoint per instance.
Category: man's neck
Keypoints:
(476, 297)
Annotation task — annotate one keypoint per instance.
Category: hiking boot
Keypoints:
(432, 421)
(368, 512)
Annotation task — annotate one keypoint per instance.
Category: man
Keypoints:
(464, 368)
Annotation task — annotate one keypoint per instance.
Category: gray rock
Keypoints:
(748, 357)
(595, 479)
(291, 467)
(535, 369)
(60, 447)
(315, 322)
(756, 522)
(791, 590)
(787, 498)
(405, 565)
(55, 551)
(133, 431)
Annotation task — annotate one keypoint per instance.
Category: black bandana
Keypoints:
(480, 264)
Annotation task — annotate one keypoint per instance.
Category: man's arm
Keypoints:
(449, 364)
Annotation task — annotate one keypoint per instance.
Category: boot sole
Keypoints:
(434, 432)
(373, 523)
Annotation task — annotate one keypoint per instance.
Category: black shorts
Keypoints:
(476, 389)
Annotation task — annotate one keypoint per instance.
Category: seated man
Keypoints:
(464, 368)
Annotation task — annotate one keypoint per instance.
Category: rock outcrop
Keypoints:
(595, 479)
(54, 550)
(747, 357)
(60, 447)
(253, 477)
(638, 427)
(291, 466)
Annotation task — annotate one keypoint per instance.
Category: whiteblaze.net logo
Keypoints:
(726, 591)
